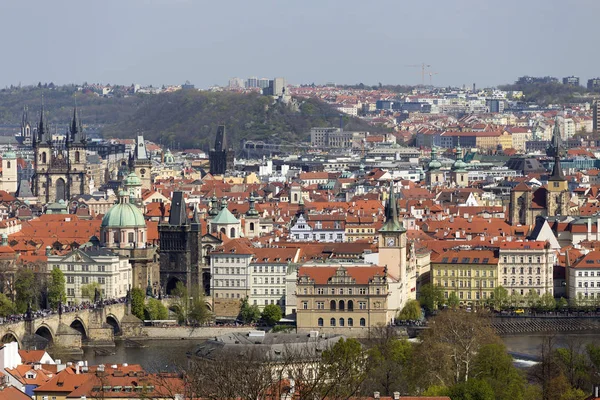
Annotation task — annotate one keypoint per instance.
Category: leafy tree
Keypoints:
(562, 303)
(388, 364)
(249, 313)
(271, 314)
(547, 302)
(473, 389)
(431, 297)
(495, 366)
(7, 307)
(500, 298)
(155, 310)
(532, 298)
(411, 311)
(57, 292)
(190, 308)
(453, 300)
(515, 300)
(89, 290)
(25, 290)
(199, 312)
(344, 364)
(448, 351)
(137, 302)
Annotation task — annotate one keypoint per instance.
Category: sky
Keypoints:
(345, 41)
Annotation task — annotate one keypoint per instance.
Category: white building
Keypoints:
(93, 264)
(525, 266)
(584, 278)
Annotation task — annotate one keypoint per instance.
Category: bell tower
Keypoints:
(392, 239)
(557, 195)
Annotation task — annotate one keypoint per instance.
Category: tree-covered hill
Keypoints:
(185, 118)
(547, 93)
(190, 119)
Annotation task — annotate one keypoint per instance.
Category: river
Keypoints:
(161, 355)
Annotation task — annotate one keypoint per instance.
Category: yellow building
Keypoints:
(471, 274)
(342, 297)
(491, 140)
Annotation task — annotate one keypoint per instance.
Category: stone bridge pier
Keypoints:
(72, 330)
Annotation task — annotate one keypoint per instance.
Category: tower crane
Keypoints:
(422, 66)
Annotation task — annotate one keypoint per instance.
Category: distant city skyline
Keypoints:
(170, 41)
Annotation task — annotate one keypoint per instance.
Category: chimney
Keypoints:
(77, 369)
(396, 395)
(376, 395)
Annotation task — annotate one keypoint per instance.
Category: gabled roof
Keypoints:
(322, 275)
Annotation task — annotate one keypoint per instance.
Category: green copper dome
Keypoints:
(123, 215)
(10, 155)
(133, 180)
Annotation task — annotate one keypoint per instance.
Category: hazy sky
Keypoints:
(345, 41)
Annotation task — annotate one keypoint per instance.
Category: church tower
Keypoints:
(392, 240)
(76, 151)
(140, 163)
(557, 195)
(221, 157)
(435, 176)
(9, 172)
(459, 174)
(520, 204)
(26, 136)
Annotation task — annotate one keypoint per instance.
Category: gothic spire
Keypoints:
(557, 172)
(392, 224)
(42, 126)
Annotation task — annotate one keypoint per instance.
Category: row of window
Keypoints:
(341, 305)
(588, 284)
(230, 282)
(86, 279)
(273, 292)
(342, 322)
(259, 280)
(579, 273)
(362, 230)
(466, 273)
(227, 260)
(231, 271)
(522, 270)
(86, 268)
(342, 291)
(522, 281)
(322, 236)
(467, 296)
(467, 284)
(521, 259)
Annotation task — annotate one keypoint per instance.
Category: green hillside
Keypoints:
(185, 119)
(189, 119)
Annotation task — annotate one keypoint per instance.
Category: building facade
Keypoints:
(526, 266)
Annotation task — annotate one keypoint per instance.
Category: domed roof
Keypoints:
(123, 215)
(459, 165)
(434, 164)
(133, 180)
(10, 155)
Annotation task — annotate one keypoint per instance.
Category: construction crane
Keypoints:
(431, 74)
(422, 66)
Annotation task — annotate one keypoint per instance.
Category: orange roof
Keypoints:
(12, 393)
(321, 275)
(31, 356)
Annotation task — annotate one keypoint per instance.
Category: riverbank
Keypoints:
(187, 332)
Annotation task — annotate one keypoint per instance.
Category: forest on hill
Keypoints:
(184, 119)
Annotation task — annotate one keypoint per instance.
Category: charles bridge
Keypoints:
(70, 330)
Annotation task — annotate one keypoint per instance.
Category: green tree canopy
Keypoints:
(431, 297)
(453, 300)
(7, 307)
(249, 313)
(137, 302)
(25, 287)
(57, 293)
(271, 314)
(89, 291)
(155, 310)
(411, 311)
(500, 299)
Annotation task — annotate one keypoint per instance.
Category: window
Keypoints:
(70, 279)
(362, 291)
(350, 305)
(341, 321)
(350, 322)
(320, 321)
(85, 279)
(101, 280)
(320, 291)
(101, 268)
(332, 305)
(332, 322)
(305, 305)
(362, 305)
(341, 305)
(320, 305)
(363, 322)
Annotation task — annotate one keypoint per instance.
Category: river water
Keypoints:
(162, 355)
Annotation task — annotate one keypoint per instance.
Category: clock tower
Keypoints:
(392, 240)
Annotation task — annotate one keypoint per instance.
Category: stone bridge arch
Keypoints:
(114, 322)
(80, 326)
(46, 332)
(10, 336)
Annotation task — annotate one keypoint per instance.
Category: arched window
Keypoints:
(332, 305)
(350, 308)
(223, 231)
(341, 307)
(350, 322)
(363, 322)
(341, 321)
(44, 158)
(130, 237)
(320, 321)
(8, 164)
(295, 197)
(232, 233)
(332, 322)
(116, 236)
(251, 226)
(76, 156)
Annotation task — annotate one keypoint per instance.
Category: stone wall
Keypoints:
(183, 332)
